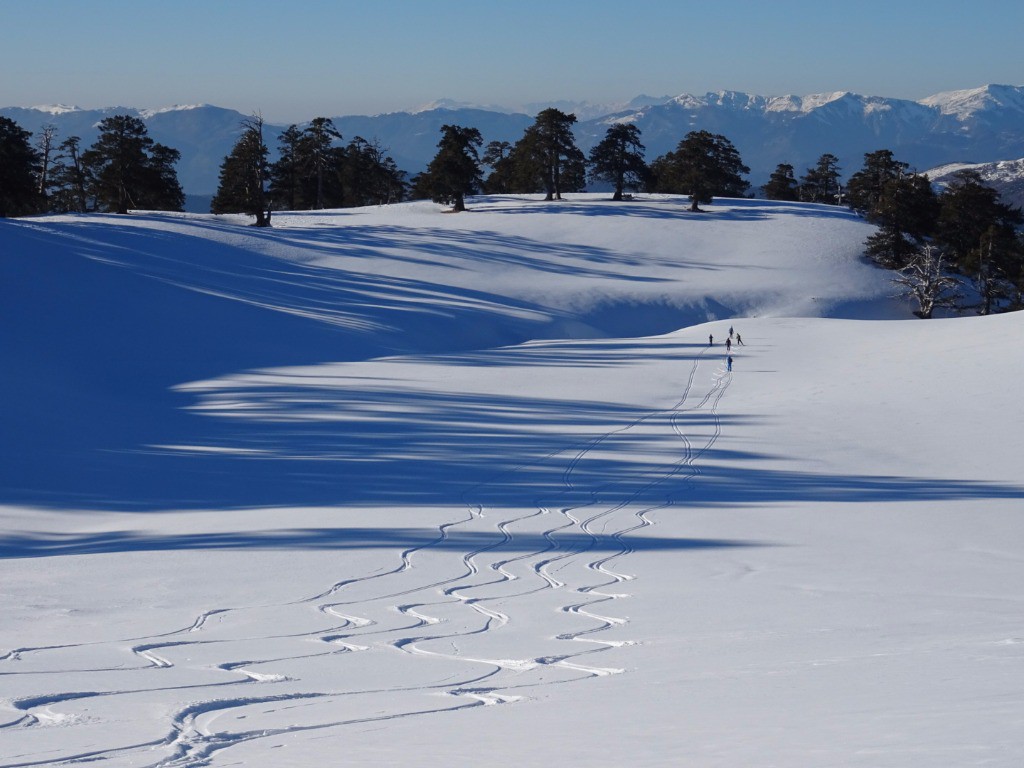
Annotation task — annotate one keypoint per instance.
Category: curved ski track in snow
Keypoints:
(438, 620)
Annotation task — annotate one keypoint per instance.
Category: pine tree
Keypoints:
(285, 173)
(821, 183)
(703, 165)
(548, 148)
(979, 232)
(619, 159)
(864, 191)
(497, 156)
(243, 175)
(127, 169)
(369, 175)
(905, 212)
(319, 164)
(68, 182)
(782, 184)
(455, 170)
(19, 163)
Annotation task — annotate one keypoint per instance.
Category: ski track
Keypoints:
(475, 585)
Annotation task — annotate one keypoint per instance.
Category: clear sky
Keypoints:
(296, 60)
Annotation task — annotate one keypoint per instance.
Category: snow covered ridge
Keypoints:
(417, 488)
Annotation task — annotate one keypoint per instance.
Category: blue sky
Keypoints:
(294, 61)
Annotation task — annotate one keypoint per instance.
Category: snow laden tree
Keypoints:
(455, 170)
(243, 175)
(704, 165)
(782, 184)
(127, 169)
(924, 279)
(618, 159)
(19, 163)
(821, 183)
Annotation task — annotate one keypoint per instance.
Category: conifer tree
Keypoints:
(127, 169)
(455, 170)
(68, 182)
(243, 175)
(548, 151)
(285, 173)
(703, 165)
(19, 163)
(782, 185)
(619, 159)
(979, 231)
(866, 187)
(821, 183)
(905, 213)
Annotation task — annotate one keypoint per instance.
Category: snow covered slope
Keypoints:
(419, 489)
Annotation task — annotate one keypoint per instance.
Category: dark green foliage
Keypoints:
(703, 166)
(243, 175)
(369, 176)
(979, 233)
(546, 159)
(127, 169)
(313, 171)
(866, 187)
(497, 157)
(821, 183)
(19, 164)
(905, 212)
(68, 180)
(455, 170)
(286, 172)
(619, 159)
(782, 184)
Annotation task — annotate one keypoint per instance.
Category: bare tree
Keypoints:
(46, 145)
(925, 280)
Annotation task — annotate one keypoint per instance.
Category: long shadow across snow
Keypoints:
(58, 544)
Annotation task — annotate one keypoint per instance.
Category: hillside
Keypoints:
(419, 488)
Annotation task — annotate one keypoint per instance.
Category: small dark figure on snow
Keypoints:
(728, 345)
(728, 364)
(730, 331)
(739, 341)
(711, 340)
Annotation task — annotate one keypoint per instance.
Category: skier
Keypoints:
(711, 340)
(728, 345)
(730, 331)
(728, 364)
(739, 341)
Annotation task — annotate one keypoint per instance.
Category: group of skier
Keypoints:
(728, 345)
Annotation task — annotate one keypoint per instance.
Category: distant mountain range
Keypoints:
(980, 125)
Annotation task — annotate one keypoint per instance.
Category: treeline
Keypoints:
(922, 233)
(123, 169)
(965, 228)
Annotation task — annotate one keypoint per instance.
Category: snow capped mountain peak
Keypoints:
(145, 114)
(454, 104)
(965, 103)
(56, 109)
